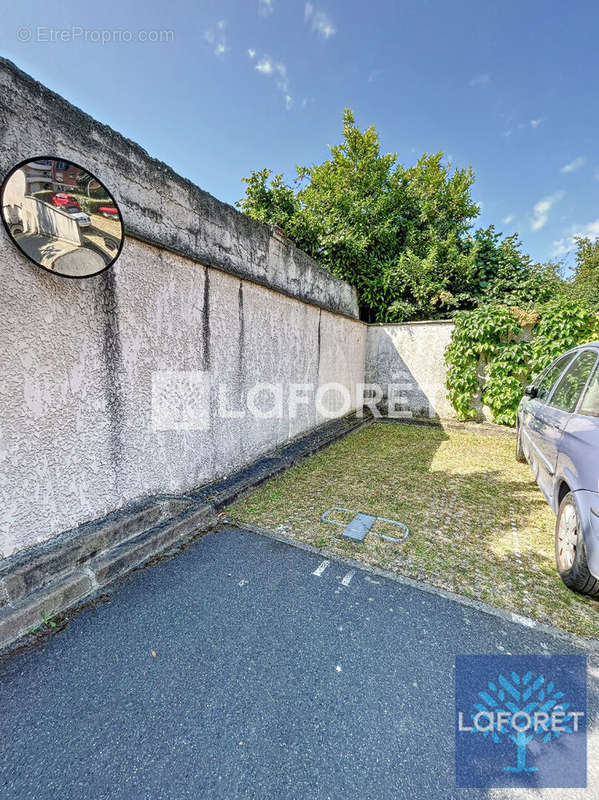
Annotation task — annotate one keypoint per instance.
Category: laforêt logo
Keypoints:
(520, 721)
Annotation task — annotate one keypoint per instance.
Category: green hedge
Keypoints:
(88, 204)
(496, 351)
(91, 205)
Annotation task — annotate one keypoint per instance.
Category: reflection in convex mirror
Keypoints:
(61, 217)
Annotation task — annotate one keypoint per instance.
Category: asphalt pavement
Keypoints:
(248, 668)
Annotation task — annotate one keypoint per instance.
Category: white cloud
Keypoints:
(321, 23)
(508, 219)
(282, 82)
(573, 165)
(540, 211)
(590, 229)
(278, 70)
(266, 7)
(562, 247)
(217, 38)
(251, 53)
(265, 66)
(480, 80)
(532, 123)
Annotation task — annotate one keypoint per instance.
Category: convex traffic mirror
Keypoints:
(61, 217)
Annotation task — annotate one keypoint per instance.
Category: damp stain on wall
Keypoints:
(113, 363)
(206, 321)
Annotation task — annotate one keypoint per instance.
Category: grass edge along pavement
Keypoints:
(479, 525)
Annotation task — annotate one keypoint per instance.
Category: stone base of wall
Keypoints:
(41, 586)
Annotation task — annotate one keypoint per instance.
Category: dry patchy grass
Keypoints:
(479, 524)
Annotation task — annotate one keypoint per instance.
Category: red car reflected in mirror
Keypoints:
(66, 221)
(110, 212)
(62, 199)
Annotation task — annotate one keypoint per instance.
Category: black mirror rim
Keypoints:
(25, 161)
(531, 392)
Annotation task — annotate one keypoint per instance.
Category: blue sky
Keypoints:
(510, 88)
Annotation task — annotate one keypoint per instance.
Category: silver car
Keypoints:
(558, 434)
(82, 219)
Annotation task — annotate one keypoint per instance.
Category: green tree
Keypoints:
(360, 211)
(503, 273)
(585, 285)
(400, 235)
(275, 204)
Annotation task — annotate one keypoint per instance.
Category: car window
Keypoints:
(571, 386)
(590, 401)
(546, 382)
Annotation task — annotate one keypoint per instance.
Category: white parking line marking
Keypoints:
(321, 568)
(347, 579)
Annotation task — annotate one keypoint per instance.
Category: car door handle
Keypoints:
(554, 426)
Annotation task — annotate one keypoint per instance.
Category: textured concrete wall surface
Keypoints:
(78, 359)
(40, 217)
(410, 355)
(158, 205)
(12, 197)
(189, 295)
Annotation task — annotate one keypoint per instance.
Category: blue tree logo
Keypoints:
(522, 708)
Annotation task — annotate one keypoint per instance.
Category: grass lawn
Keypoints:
(479, 524)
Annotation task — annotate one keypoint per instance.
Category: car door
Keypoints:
(532, 418)
(553, 417)
(579, 449)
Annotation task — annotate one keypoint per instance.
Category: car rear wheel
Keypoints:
(570, 552)
(519, 451)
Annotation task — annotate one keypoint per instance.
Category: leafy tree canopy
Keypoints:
(401, 235)
(585, 283)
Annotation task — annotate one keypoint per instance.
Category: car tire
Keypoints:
(570, 551)
(519, 451)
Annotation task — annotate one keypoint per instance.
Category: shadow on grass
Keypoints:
(479, 525)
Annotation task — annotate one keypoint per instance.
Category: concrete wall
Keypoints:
(34, 215)
(76, 436)
(158, 206)
(199, 291)
(12, 198)
(42, 218)
(411, 355)
(188, 294)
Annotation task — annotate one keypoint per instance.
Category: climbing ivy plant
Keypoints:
(495, 351)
